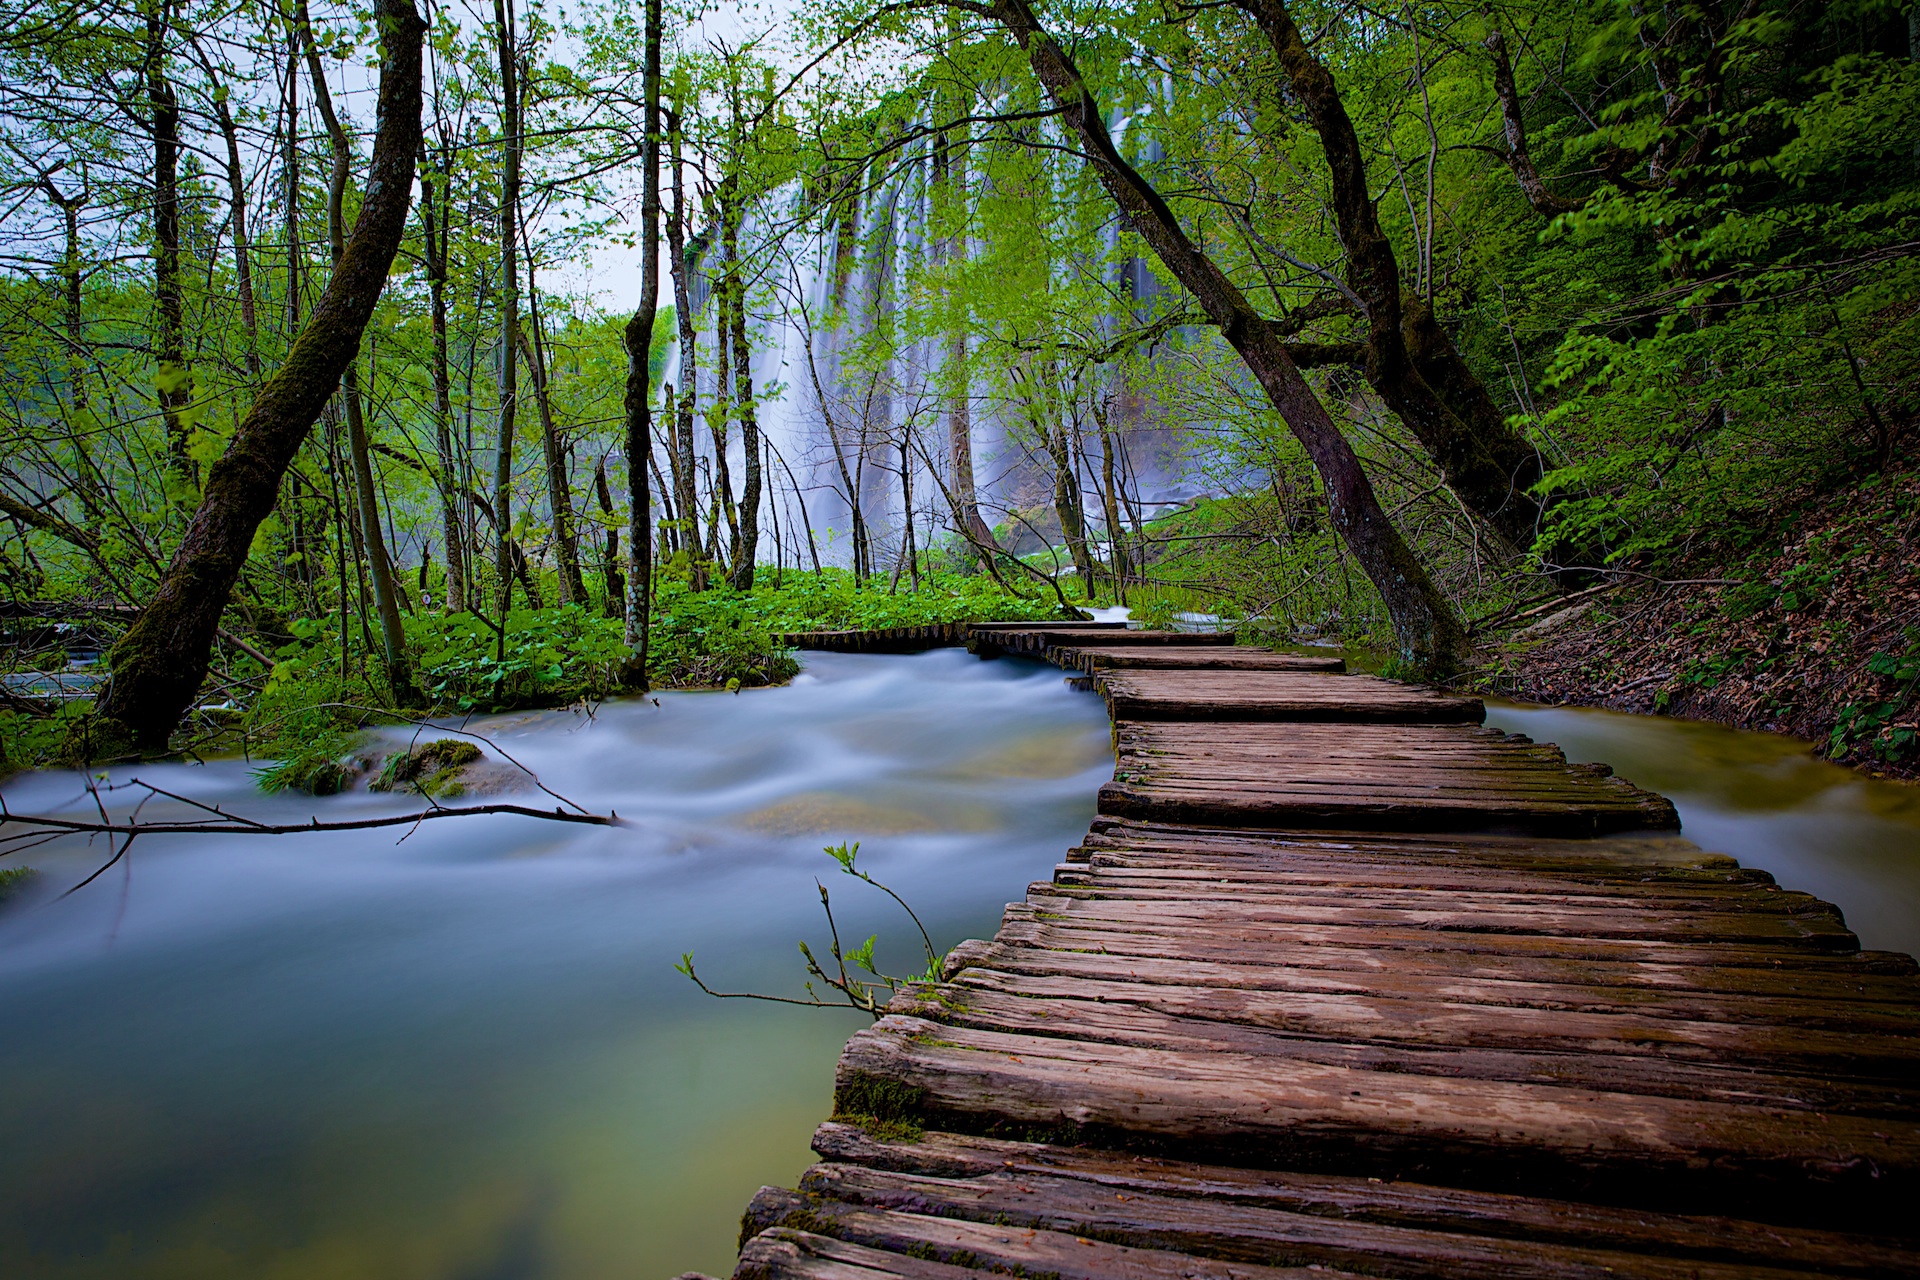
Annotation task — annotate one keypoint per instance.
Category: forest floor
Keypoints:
(1809, 626)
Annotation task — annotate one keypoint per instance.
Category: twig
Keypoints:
(233, 825)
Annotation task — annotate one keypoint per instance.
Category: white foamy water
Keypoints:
(465, 1054)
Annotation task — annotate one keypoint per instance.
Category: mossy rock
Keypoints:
(433, 769)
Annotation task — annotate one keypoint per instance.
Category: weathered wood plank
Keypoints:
(1827, 933)
(1315, 942)
(1279, 1112)
(1390, 977)
(1094, 656)
(1759, 1084)
(1331, 934)
(1235, 1233)
(1889, 1053)
(978, 1247)
(1515, 1220)
(1188, 695)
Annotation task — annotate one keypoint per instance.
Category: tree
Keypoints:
(1429, 634)
(636, 403)
(158, 665)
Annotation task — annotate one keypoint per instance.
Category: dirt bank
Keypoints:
(1809, 626)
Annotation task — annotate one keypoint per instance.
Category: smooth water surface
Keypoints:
(1767, 800)
(466, 1055)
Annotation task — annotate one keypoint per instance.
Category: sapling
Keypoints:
(854, 991)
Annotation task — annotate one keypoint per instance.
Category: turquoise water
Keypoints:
(1768, 801)
(467, 1055)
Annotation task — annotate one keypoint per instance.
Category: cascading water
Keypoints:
(818, 289)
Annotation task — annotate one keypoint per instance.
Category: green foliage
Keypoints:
(318, 765)
(849, 991)
(1882, 729)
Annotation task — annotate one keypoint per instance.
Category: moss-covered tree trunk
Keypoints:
(1428, 632)
(1411, 362)
(173, 382)
(157, 667)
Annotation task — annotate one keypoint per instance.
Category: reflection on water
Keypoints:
(466, 1055)
(1768, 801)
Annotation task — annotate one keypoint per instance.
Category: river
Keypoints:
(466, 1056)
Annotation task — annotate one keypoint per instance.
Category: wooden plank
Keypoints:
(1227, 1232)
(1307, 940)
(1037, 640)
(1272, 1111)
(1604, 1026)
(1298, 775)
(1827, 933)
(1794, 975)
(1145, 877)
(1092, 656)
(970, 1248)
(780, 1254)
(1181, 694)
(1401, 976)
(1330, 935)
(1433, 1208)
(1774, 1086)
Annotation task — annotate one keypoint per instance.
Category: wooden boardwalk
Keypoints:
(1341, 982)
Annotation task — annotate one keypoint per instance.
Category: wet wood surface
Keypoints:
(1341, 983)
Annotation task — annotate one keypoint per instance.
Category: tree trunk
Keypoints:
(1117, 562)
(379, 566)
(950, 183)
(721, 416)
(159, 664)
(1480, 458)
(686, 473)
(747, 541)
(637, 400)
(505, 351)
(612, 580)
(573, 588)
(436, 234)
(291, 166)
(1428, 633)
(237, 203)
(1066, 504)
(173, 381)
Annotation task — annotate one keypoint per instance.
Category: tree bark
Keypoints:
(637, 399)
(573, 588)
(506, 350)
(747, 540)
(686, 474)
(1428, 633)
(157, 667)
(1480, 458)
(173, 381)
(393, 635)
(950, 193)
(612, 581)
(435, 233)
(237, 204)
(1518, 157)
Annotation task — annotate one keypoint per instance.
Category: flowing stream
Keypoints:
(466, 1056)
